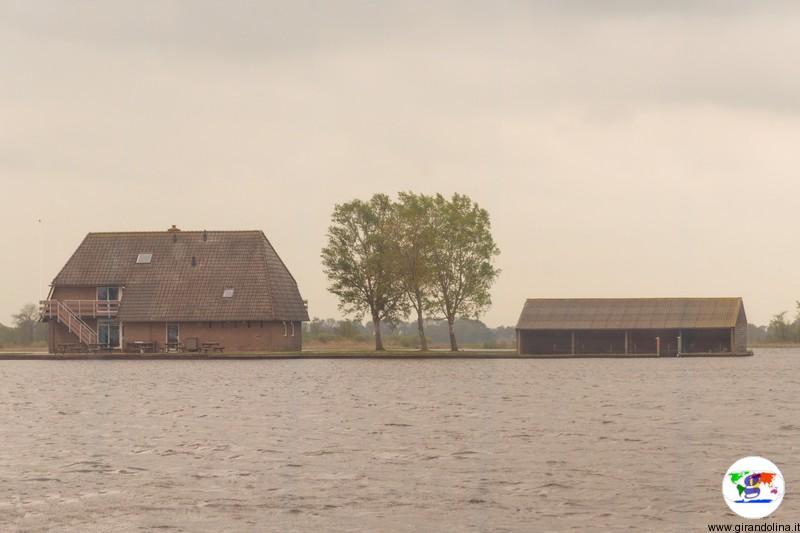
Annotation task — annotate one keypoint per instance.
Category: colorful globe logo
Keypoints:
(753, 487)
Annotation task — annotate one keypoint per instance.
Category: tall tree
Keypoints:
(414, 248)
(360, 261)
(777, 327)
(795, 329)
(461, 260)
(26, 321)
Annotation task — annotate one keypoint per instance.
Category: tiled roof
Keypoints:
(170, 287)
(630, 313)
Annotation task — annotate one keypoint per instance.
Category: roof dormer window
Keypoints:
(227, 293)
(143, 259)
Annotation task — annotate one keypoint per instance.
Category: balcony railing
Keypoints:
(83, 308)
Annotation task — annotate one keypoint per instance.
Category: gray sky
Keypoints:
(623, 148)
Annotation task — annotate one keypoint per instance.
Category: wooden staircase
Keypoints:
(58, 311)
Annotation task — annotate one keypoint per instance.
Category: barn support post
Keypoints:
(626, 342)
(518, 350)
(572, 338)
(733, 339)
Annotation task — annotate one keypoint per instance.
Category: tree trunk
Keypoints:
(453, 345)
(376, 323)
(423, 342)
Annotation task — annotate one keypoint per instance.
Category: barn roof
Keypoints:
(186, 276)
(630, 313)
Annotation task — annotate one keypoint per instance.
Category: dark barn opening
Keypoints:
(654, 341)
(548, 342)
(706, 340)
(602, 341)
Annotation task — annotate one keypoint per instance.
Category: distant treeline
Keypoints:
(779, 331)
(26, 331)
(471, 333)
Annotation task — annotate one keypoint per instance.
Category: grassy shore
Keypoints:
(305, 354)
(347, 354)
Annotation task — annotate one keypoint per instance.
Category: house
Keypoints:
(632, 326)
(167, 290)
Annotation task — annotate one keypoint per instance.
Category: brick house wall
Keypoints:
(233, 336)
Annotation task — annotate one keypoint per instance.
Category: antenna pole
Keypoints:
(41, 259)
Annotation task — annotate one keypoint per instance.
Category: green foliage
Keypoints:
(756, 334)
(361, 263)
(429, 254)
(779, 331)
(27, 329)
(415, 241)
(461, 260)
(472, 333)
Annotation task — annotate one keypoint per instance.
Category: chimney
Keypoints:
(173, 229)
(205, 235)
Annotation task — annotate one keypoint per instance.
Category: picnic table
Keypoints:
(211, 347)
(142, 346)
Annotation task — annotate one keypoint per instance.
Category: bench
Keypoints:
(211, 347)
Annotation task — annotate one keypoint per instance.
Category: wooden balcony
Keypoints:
(81, 308)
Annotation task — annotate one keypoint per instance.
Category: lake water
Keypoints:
(375, 445)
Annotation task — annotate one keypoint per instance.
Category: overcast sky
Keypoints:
(622, 148)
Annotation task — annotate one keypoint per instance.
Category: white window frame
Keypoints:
(144, 258)
(166, 332)
(107, 323)
(106, 287)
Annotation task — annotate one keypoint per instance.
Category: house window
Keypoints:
(292, 323)
(227, 293)
(142, 259)
(108, 294)
(285, 330)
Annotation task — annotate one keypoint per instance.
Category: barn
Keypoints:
(632, 327)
